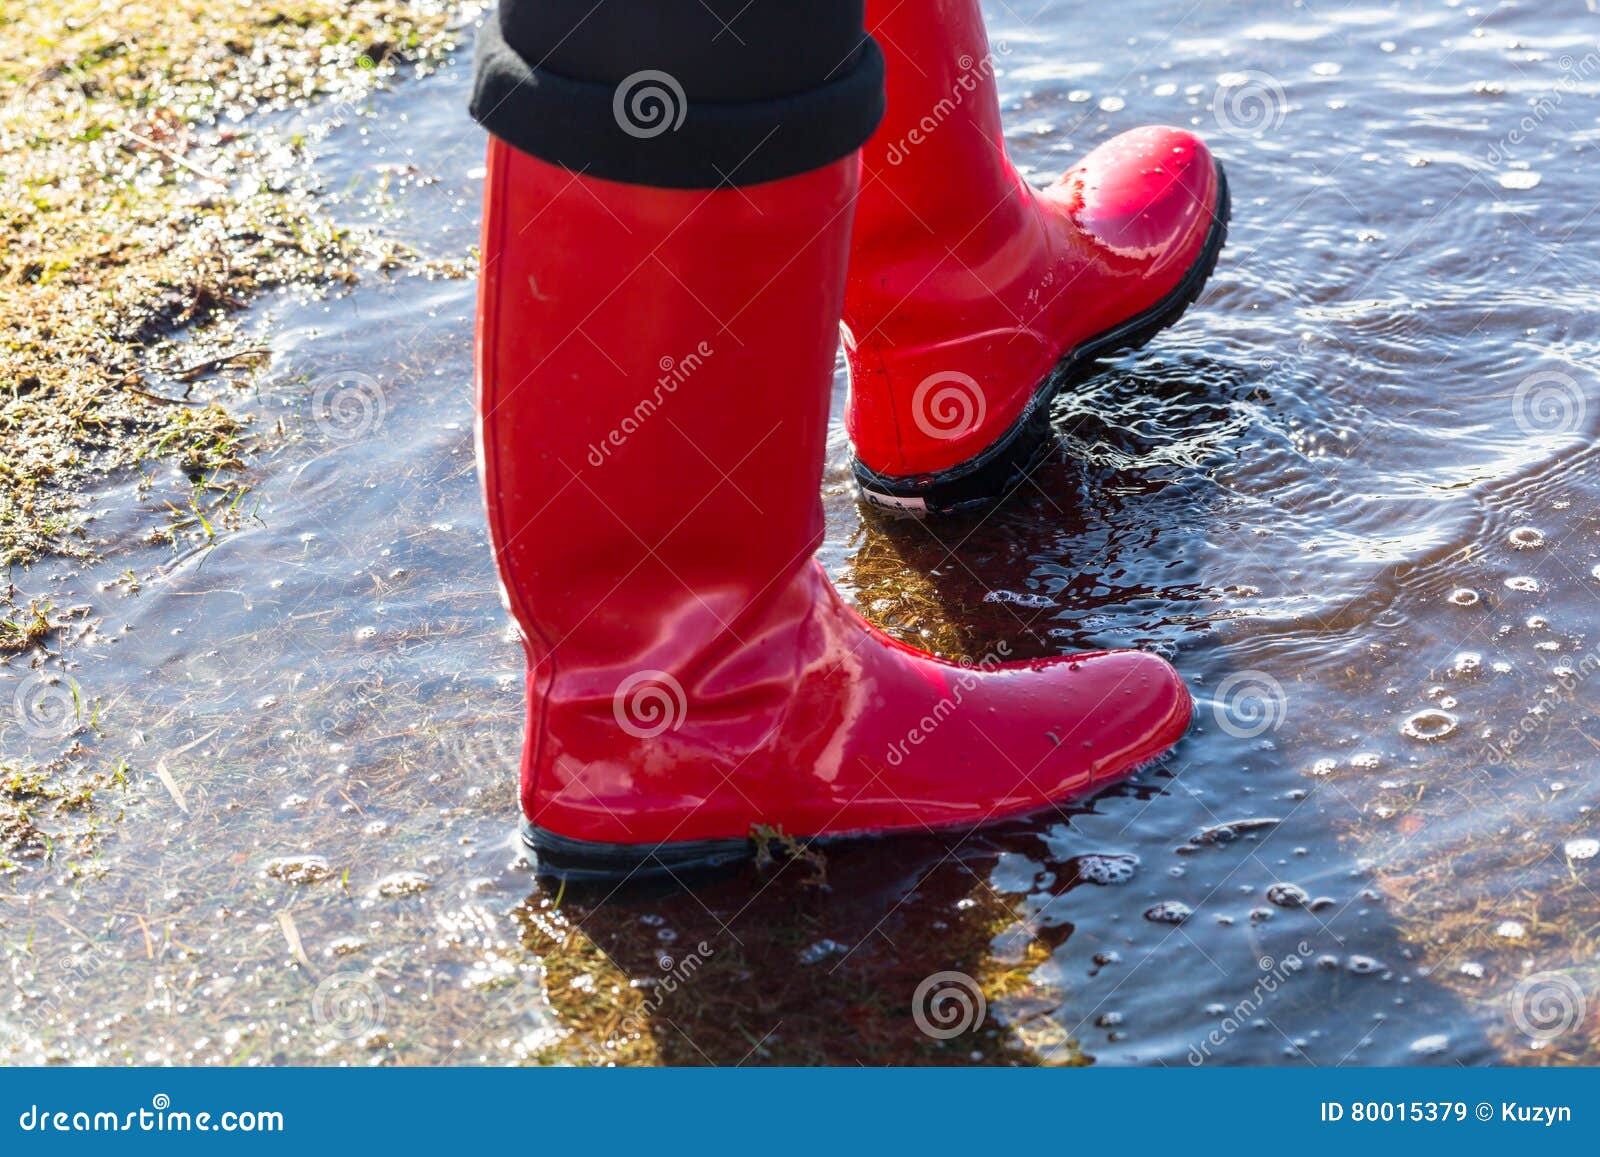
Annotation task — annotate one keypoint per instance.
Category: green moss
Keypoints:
(128, 217)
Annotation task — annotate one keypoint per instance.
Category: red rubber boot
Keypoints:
(654, 376)
(973, 299)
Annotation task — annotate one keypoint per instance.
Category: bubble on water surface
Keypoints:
(1168, 912)
(1526, 538)
(1019, 599)
(1464, 597)
(1527, 584)
(821, 950)
(1466, 665)
(1519, 179)
(1430, 725)
(1288, 896)
(402, 884)
(1430, 1046)
(1107, 869)
(1584, 849)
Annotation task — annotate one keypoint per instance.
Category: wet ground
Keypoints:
(1351, 496)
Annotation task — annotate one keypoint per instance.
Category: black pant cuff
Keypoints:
(644, 132)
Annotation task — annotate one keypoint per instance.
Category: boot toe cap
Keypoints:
(1150, 195)
(1141, 708)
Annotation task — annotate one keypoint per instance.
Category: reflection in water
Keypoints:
(800, 963)
(1351, 497)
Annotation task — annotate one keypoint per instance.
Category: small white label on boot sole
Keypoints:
(915, 506)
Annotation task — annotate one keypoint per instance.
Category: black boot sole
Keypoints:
(589, 862)
(1001, 467)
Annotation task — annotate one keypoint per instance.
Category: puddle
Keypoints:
(1351, 496)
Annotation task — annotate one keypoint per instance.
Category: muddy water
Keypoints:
(1351, 496)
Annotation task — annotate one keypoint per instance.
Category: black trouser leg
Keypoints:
(680, 93)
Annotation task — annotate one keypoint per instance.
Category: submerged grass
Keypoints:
(136, 205)
(54, 811)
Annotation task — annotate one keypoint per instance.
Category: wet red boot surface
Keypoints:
(652, 419)
(972, 297)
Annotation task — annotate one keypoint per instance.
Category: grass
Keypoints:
(138, 208)
(53, 811)
(22, 629)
